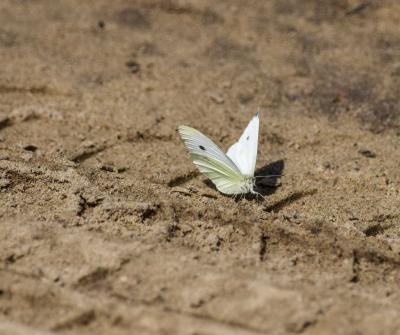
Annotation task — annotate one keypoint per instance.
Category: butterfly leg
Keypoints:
(259, 194)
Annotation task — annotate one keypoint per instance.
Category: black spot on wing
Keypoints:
(202, 148)
(247, 138)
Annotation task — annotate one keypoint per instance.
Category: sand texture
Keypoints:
(106, 227)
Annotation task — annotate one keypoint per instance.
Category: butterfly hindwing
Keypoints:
(212, 161)
(244, 152)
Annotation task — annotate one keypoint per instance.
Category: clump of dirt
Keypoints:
(108, 228)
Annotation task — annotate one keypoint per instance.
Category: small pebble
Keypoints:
(216, 97)
(4, 183)
(107, 168)
(367, 153)
(133, 66)
(30, 147)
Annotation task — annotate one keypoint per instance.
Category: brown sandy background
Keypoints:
(105, 226)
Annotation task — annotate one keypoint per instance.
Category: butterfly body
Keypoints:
(233, 172)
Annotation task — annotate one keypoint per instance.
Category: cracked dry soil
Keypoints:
(107, 228)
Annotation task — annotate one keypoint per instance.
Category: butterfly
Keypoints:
(231, 173)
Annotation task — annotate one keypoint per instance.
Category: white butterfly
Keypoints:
(233, 172)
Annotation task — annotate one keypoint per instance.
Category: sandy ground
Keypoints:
(107, 228)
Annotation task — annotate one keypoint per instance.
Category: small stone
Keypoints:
(367, 153)
(133, 66)
(4, 183)
(107, 168)
(30, 147)
(101, 24)
(216, 97)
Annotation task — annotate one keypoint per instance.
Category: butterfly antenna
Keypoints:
(270, 176)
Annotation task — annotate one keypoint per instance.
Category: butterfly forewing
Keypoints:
(211, 160)
(244, 152)
(201, 145)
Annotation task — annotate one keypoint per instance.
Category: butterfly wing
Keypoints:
(212, 161)
(244, 152)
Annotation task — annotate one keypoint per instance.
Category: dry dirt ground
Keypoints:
(107, 228)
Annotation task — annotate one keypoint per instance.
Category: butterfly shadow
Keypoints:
(267, 177)
(267, 181)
